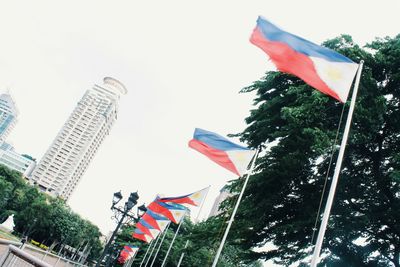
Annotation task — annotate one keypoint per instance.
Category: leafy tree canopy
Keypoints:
(43, 218)
(296, 126)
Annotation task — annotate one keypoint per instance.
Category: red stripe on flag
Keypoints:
(292, 62)
(144, 229)
(140, 237)
(162, 210)
(150, 220)
(183, 200)
(218, 156)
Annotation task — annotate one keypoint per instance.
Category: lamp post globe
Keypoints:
(116, 198)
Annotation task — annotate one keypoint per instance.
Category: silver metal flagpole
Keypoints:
(328, 206)
(183, 254)
(147, 251)
(196, 220)
(221, 246)
(132, 258)
(172, 241)
(159, 246)
(152, 250)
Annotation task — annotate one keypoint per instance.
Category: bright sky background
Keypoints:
(183, 63)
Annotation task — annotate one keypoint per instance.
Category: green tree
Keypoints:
(295, 125)
(12, 193)
(43, 218)
(204, 239)
(5, 194)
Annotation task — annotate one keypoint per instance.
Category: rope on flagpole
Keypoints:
(332, 152)
(315, 259)
(221, 246)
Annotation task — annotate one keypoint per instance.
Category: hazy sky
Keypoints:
(183, 63)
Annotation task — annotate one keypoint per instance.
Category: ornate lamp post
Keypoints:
(122, 214)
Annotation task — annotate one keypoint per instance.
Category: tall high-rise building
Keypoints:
(68, 157)
(8, 115)
(8, 157)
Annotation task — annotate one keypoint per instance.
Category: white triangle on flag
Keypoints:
(241, 159)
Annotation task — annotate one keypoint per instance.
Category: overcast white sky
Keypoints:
(183, 63)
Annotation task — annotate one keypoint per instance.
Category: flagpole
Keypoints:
(159, 246)
(132, 259)
(172, 242)
(196, 220)
(147, 251)
(221, 246)
(335, 178)
(152, 250)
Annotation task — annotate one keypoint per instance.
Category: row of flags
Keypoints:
(322, 68)
(162, 211)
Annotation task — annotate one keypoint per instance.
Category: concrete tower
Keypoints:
(68, 157)
(8, 115)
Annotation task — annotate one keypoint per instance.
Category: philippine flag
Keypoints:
(222, 151)
(127, 253)
(156, 220)
(146, 228)
(174, 212)
(194, 199)
(141, 236)
(131, 249)
(322, 68)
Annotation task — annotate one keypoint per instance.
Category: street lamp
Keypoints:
(116, 198)
(122, 213)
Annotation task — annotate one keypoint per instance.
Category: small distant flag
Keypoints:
(131, 249)
(156, 220)
(322, 68)
(127, 253)
(174, 212)
(123, 256)
(194, 199)
(225, 153)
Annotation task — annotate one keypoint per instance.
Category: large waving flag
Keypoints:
(156, 220)
(222, 151)
(141, 236)
(322, 68)
(174, 212)
(194, 199)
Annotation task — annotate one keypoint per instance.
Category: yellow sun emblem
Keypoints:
(333, 73)
(196, 195)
